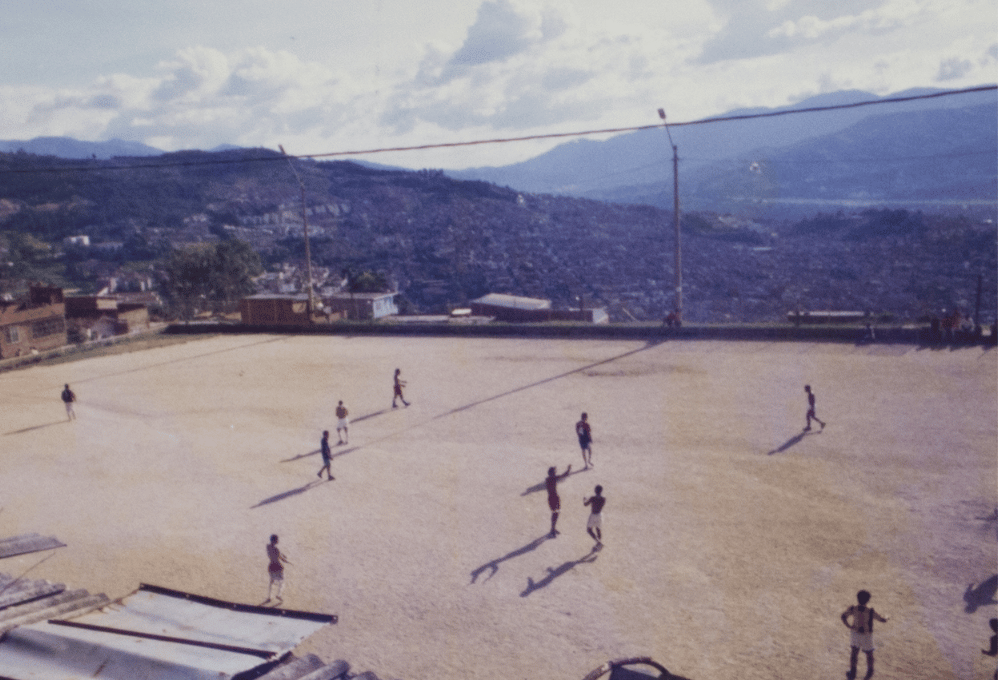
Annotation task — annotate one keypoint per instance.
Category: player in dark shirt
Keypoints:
(327, 456)
(810, 409)
(585, 435)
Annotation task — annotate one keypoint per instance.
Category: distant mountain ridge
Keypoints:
(67, 147)
(636, 167)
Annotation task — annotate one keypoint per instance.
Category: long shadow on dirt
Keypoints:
(796, 439)
(493, 566)
(560, 570)
(540, 487)
(981, 595)
(288, 494)
(35, 427)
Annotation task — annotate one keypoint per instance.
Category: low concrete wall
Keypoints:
(773, 333)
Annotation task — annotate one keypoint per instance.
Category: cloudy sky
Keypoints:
(322, 76)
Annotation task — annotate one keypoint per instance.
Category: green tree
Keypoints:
(235, 265)
(369, 282)
(211, 274)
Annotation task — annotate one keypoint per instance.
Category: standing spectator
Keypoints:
(327, 456)
(594, 527)
(585, 435)
(554, 502)
(68, 397)
(810, 409)
(342, 423)
(276, 568)
(861, 637)
(399, 384)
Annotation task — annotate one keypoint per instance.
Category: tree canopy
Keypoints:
(215, 272)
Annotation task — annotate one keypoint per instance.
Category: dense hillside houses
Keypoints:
(441, 243)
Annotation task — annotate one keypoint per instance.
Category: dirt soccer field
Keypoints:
(733, 541)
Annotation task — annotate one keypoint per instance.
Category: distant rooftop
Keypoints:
(512, 301)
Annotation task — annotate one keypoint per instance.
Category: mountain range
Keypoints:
(934, 149)
(790, 162)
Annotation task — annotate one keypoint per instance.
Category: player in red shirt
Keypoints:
(554, 502)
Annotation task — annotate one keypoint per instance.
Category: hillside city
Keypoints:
(440, 242)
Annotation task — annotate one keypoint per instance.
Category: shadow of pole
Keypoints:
(368, 415)
(560, 570)
(471, 405)
(302, 455)
(544, 380)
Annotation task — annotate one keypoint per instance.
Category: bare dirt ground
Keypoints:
(733, 542)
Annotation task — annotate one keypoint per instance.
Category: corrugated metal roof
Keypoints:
(27, 543)
(512, 301)
(154, 634)
(19, 591)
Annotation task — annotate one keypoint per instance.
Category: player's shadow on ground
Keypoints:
(560, 570)
(981, 595)
(493, 566)
(796, 439)
(540, 487)
(35, 427)
(289, 494)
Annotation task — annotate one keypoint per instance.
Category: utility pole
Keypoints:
(308, 250)
(675, 217)
(977, 307)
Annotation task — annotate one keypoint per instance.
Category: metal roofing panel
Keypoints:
(157, 611)
(156, 633)
(512, 301)
(27, 543)
(46, 651)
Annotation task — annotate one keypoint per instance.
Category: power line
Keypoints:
(507, 140)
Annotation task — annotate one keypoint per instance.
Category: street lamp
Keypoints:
(304, 221)
(675, 198)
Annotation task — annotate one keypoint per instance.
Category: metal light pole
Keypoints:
(304, 221)
(675, 217)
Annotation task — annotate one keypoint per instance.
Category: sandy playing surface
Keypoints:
(733, 543)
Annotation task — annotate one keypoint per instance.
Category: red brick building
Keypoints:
(37, 323)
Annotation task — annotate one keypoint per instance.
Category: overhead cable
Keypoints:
(507, 140)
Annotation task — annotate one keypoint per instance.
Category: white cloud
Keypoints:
(953, 68)
(516, 68)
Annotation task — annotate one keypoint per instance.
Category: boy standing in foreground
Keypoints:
(861, 637)
(594, 527)
(275, 568)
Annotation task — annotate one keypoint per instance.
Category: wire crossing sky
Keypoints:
(554, 135)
